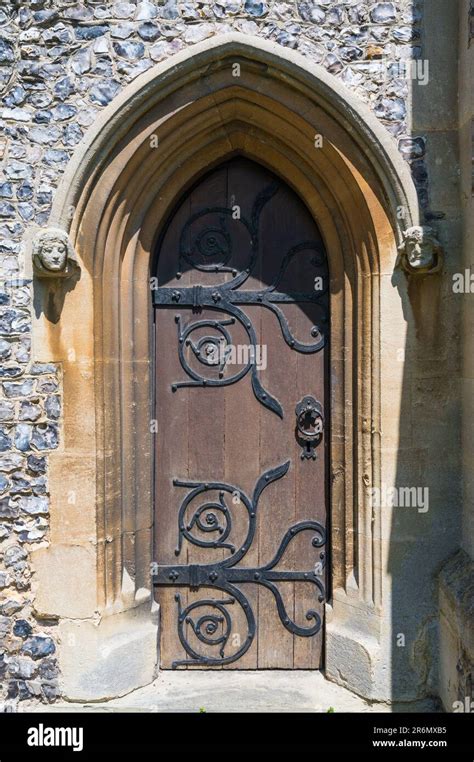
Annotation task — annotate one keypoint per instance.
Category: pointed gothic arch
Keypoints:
(152, 142)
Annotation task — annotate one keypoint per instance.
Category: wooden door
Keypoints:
(241, 320)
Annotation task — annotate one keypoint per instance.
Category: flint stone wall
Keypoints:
(61, 63)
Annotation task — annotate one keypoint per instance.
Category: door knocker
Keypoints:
(309, 425)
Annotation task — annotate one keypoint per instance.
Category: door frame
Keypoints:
(111, 200)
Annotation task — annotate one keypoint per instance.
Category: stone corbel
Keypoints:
(53, 255)
(420, 251)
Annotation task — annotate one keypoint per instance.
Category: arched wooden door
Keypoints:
(241, 319)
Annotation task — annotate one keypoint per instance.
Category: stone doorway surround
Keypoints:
(117, 192)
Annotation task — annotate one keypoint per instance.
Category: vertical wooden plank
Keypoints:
(242, 416)
(277, 504)
(207, 415)
(311, 486)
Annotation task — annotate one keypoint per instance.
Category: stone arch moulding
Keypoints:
(116, 194)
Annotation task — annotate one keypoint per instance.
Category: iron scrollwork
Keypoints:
(210, 250)
(214, 518)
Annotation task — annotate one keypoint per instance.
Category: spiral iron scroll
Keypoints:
(214, 518)
(210, 250)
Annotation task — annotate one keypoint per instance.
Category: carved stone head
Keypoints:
(420, 250)
(53, 255)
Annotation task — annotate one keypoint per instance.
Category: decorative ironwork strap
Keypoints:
(215, 629)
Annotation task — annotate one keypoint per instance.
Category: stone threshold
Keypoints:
(239, 691)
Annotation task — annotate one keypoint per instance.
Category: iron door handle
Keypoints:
(309, 425)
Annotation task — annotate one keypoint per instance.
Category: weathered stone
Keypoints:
(10, 371)
(44, 193)
(90, 32)
(47, 385)
(102, 69)
(420, 250)
(6, 190)
(43, 117)
(72, 135)
(58, 33)
(257, 8)
(41, 368)
(17, 170)
(35, 464)
(33, 505)
(48, 669)
(145, 10)
(149, 31)
(5, 440)
(383, 13)
(13, 554)
(7, 409)
(7, 53)
(5, 580)
(21, 667)
(86, 116)
(189, 12)
(64, 87)
(11, 462)
(335, 15)
(122, 10)
(390, 109)
(38, 646)
(351, 53)
(54, 156)
(16, 114)
(122, 31)
(22, 628)
(45, 436)
(81, 62)
(104, 92)
(4, 483)
(53, 406)
(26, 211)
(23, 436)
(11, 606)
(419, 171)
(198, 32)
(44, 135)
(405, 33)
(50, 691)
(9, 509)
(169, 10)
(163, 49)
(132, 51)
(78, 12)
(29, 411)
(40, 100)
(333, 64)
(63, 111)
(6, 209)
(311, 11)
(19, 483)
(45, 16)
(24, 192)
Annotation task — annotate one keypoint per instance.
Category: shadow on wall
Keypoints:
(427, 531)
